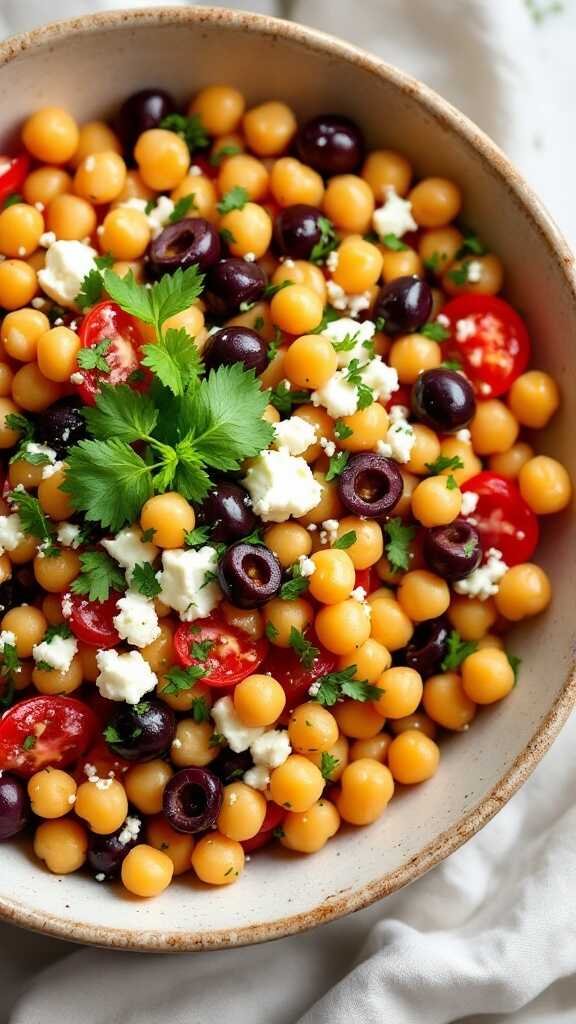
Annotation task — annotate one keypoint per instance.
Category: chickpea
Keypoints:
(470, 617)
(369, 543)
(415, 721)
(259, 700)
(524, 591)
(367, 788)
(57, 351)
(296, 784)
(250, 229)
(435, 202)
(338, 752)
(20, 229)
(488, 276)
(62, 845)
(170, 516)
(446, 702)
(28, 625)
(192, 746)
(54, 501)
(269, 128)
(163, 158)
(70, 217)
(87, 655)
(25, 550)
(43, 184)
(292, 182)
(146, 871)
(349, 203)
(494, 428)
(52, 793)
(100, 177)
(103, 808)
(402, 692)
(438, 247)
(368, 426)
(52, 609)
(534, 398)
(334, 577)
(375, 748)
(452, 448)
(359, 264)
(413, 354)
(18, 284)
(510, 463)
(545, 485)
(8, 436)
(242, 813)
(384, 169)
(6, 378)
(125, 234)
(145, 785)
(357, 720)
(218, 860)
(390, 624)
(310, 361)
(301, 272)
(487, 676)
(204, 193)
(244, 171)
(219, 107)
(289, 541)
(312, 728)
(284, 616)
(58, 680)
(309, 831)
(51, 135)
(370, 660)
(425, 450)
(342, 627)
(402, 263)
(159, 654)
(413, 757)
(178, 846)
(437, 501)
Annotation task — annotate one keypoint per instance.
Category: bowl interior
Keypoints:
(89, 70)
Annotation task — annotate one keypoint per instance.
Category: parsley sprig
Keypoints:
(144, 580)
(457, 651)
(180, 680)
(235, 199)
(397, 547)
(190, 129)
(334, 686)
(33, 521)
(305, 650)
(327, 243)
(99, 575)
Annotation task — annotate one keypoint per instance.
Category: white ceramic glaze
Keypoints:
(89, 65)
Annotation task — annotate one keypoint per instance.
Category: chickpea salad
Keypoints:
(268, 506)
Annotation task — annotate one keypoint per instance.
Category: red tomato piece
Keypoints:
(108, 323)
(272, 819)
(44, 731)
(104, 761)
(285, 666)
(13, 171)
(91, 621)
(503, 518)
(493, 347)
(399, 397)
(232, 656)
(365, 579)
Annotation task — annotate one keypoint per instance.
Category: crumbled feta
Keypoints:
(51, 469)
(469, 503)
(67, 264)
(358, 594)
(463, 435)
(443, 320)
(186, 582)
(381, 378)
(238, 736)
(69, 535)
(124, 676)
(57, 652)
(294, 434)
(257, 777)
(271, 748)
(11, 532)
(159, 215)
(360, 333)
(47, 238)
(281, 485)
(76, 378)
(7, 637)
(400, 437)
(33, 448)
(337, 395)
(465, 328)
(330, 529)
(352, 303)
(328, 446)
(483, 582)
(250, 257)
(176, 743)
(130, 830)
(100, 877)
(136, 621)
(195, 171)
(128, 549)
(474, 271)
(332, 261)
(37, 302)
(395, 217)
(67, 605)
(307, 565)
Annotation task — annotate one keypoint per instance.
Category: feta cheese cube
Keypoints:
(136, 621)
(238, 736)
(381, 378)
(353, 303)
(69, 535)
(360, 333)
(66, 265)
(469, 503)
(7, 637)
(128, 549)
(11, 532)
(294, 434)
(281, 485)
(57, 652)
(337, 395)
(271, 748)
(484, 581)
(395, 217)
(124, 677)
(257, 777)
(186, 583)
(159, 215)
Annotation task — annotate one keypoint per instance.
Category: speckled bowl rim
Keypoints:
(493, 158)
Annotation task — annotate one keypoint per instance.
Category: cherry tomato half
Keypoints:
(13, 171)
(493, 347)
(402, 396)
(108, 323)
(91, 621)
(503, 518)
(272, 819)
(232, 656)
(44, 731)
(294, 678)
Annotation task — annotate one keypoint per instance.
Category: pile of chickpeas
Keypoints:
(80, 178)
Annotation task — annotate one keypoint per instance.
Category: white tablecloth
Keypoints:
(490, 935)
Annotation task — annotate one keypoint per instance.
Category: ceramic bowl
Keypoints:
(89, 65)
